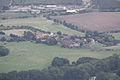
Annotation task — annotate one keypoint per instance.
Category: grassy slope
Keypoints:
(27, 55)
(41, 23)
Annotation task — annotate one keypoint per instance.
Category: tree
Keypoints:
(4, 51)
(29, 35)
(59, 33)
(52, 41)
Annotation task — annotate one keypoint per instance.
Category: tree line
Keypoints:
(2, 27)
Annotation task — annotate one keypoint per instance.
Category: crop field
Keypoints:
(12, 15)
(18, 32)
(27, 55)
(95, 21)
(40, 23)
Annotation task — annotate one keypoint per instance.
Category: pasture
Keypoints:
(40, 23)
(94, 21)
(27, 55)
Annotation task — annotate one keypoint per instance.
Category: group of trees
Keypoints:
(62, 69)
(102, 38)
(69, 25)
(28, 35)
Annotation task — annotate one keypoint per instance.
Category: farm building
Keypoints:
(71, 11)
(69, 44)
(42, 35)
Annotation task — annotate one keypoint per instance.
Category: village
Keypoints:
(37, 9)
(51, 39)
(64, 40)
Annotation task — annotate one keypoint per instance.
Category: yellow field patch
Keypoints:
(18, 32)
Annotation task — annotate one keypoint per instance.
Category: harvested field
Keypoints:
(18, 32)
(95, 21)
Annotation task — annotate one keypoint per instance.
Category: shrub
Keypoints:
(4, 51)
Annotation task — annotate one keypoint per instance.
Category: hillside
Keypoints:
(102, 4)
(4, 3)
(68, 2)
(106, 4)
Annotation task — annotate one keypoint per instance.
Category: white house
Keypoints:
(71, 11)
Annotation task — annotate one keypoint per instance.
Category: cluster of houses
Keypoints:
(39, 8)
(43, 35)
(66, 41)
(76, 42)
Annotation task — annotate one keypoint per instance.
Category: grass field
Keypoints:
(113, 47)
(27, 55)
(40, 23)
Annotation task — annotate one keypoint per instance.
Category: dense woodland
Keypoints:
(84, 68)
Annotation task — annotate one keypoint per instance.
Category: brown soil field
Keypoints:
(95, 21)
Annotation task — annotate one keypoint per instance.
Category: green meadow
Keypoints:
(40, 23)
(28, 55)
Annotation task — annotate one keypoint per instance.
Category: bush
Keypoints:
(3, 51)
(57, 62)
